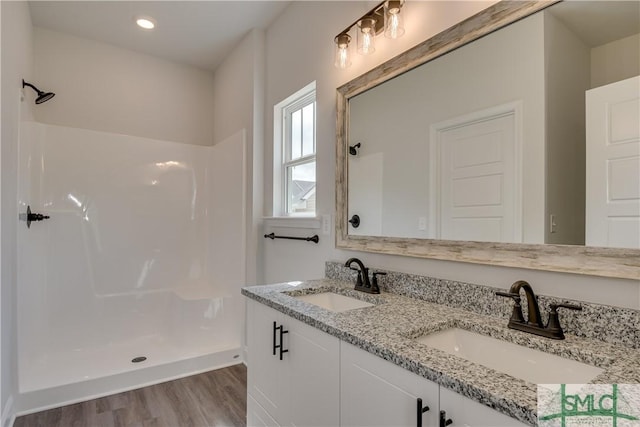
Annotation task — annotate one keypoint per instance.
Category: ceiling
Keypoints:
(197, 33)
(599, 22)
(201, 33)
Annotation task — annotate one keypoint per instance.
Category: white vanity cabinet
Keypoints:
(293, 371)
(300, 376)
(464, 412)
(375, 392)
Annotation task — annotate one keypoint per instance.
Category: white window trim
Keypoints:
(312, 222)
(279, 180)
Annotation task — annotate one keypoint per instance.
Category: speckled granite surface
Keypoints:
(387, 330)
(614, 325)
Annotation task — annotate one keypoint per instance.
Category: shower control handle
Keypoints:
(37, 217)
(29, 217)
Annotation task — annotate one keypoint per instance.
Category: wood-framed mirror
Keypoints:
(532, 239)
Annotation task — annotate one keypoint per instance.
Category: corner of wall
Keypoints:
(8, 413)
(259, 79)
(17, 63)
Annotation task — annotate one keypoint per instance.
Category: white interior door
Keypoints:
(613, 165)
(478, 179)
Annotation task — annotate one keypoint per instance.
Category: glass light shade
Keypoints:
(366, 35)
(393, 22)
(342, 57)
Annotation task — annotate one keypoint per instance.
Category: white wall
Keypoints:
(300, 50)
(16, 51)
(567, 65)
(102, 87)
(615, 61)
(238, 89)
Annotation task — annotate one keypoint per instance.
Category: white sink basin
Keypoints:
(334, 302)
(521, 362)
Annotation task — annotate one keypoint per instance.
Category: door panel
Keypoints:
(613, 165)
(478, 180)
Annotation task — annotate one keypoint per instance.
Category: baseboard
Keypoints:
(8, 416)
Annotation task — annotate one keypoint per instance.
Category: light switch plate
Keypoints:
(422, 223)
(326, 224)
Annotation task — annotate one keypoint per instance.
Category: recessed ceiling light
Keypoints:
(146, 23)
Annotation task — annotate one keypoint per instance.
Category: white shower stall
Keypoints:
(143, 257)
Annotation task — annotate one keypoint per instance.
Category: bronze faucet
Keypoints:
(534, 324)
(362, 282)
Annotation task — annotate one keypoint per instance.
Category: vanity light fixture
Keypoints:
(385, 17)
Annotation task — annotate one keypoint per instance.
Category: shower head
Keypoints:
(353, 149)
(42, 96)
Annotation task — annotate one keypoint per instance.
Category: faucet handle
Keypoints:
(375, 277)
(516, 314)
(359, 279)
(378, 273)
(515, 297)
(554, 321)
(554, 307)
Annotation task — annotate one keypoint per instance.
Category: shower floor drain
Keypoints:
(138, 359)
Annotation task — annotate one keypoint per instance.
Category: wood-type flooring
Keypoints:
(214, 398)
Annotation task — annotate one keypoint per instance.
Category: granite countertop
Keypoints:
(388, 329)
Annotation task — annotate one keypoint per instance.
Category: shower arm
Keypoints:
(31, 86)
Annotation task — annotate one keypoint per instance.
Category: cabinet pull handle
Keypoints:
(274, 338)
(419, 411)
(444, 421)
(281, 346)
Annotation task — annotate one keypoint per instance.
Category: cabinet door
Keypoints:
(375, 392)
(313, 362)
(465, 412)
(257, 416)
(265, 378)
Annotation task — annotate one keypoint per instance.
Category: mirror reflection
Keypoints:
(527, 135)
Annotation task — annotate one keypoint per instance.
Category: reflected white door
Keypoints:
(613, 165)
(478, 179)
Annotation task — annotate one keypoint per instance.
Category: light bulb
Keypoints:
(366, 35)
(367, 43)
(342, 58)
(393, 26)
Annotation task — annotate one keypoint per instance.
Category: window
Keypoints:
(295, 154)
